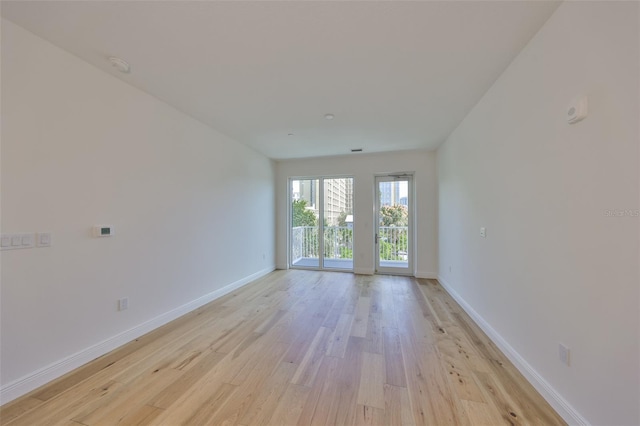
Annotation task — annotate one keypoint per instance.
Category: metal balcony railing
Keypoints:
(338, 242)
(393, 242)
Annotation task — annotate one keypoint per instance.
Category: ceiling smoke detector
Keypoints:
(120, 64)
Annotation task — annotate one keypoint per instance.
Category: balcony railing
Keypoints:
(304, 242)
(338, 242)
(393, 242)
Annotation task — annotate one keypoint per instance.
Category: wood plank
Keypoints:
(316, 409)
(266, 401)
(461, 379)
(308, 368)
(340, 337)
(432, 399)
(369, 416)
(169, 394)
(394, 364)
(143, 415)
(361, 319)
(59, 409)
(17, 408)
(347, 383)
(204, 412)
(508, 411)
(203, 401)
(128, 398)
(375, 334)
(290, 406)
(482, 414)
(252, 387)
(397, 408)
(372, 375)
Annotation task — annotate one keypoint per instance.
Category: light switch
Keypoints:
(44, 239)
(483, 232)
(27, 240)
(16, 241)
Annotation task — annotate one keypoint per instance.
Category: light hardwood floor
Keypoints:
(300, 347)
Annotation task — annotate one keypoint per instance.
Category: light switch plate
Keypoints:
(16, 241)
(44, 239)
(27, 240)
(483, 232)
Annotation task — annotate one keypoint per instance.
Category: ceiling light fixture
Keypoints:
(120, 64)
(329, 116)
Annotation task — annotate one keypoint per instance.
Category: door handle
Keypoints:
(376, 238)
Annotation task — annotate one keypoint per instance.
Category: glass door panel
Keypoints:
(337, 210)
(305, 223)
(393, 225)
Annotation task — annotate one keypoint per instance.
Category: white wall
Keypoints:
(553, 267)
(363, 167)
(193, 211)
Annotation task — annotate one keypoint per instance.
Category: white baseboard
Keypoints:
(363, 271)
(562, 407)
(426, 275)
(51, 372)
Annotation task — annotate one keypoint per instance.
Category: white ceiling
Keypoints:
(397, 75)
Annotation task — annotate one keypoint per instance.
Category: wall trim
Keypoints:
(42, 376)
(363, 271)
(553, 397)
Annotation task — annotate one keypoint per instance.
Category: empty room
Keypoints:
(320, 212)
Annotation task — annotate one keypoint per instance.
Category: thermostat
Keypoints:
(102, 231)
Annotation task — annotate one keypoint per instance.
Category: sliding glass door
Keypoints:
(321, 217)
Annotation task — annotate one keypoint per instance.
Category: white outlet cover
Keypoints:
(578, 110)
(123, 304)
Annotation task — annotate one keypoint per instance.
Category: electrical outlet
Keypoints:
(564, 354)
(123, 304)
